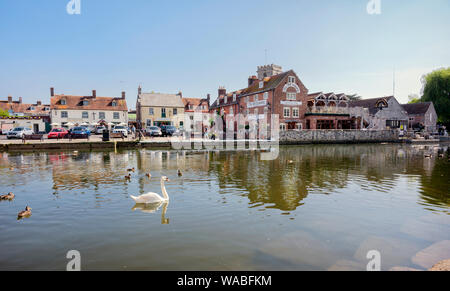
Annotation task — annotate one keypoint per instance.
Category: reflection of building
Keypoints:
(66, 109)
(421, 115)
(156, 109)
(384, 113)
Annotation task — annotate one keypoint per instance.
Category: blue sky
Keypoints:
(198, 45)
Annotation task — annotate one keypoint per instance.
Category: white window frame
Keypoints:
(299, 126)
(234, 97)
(296, 110)
(116, 114)
(256, 97)
(288, 110)
(291, 79)
(66, 115)
(100, 114)
(283, 126)
(261, 84)
(266, 95)
(85, 115)
(291, 96)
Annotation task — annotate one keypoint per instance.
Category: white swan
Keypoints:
(153, 197)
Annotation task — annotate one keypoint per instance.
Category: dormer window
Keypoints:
(234, 97)
(114, 104)
(261, 84)
(47, 109)
(291, 79)
(63, 102)
(32, 108)
(85, 103)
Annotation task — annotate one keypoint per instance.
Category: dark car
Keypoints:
(82, 132)
(169, 130)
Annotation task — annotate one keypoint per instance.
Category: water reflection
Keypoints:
(279, 184)
(152, 208)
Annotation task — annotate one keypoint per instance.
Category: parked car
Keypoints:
(57, 133)
(79, 132)
(121, 129)
(100, 130)
(19, 132)
(88, 128)
(169, 130)
(153, 131)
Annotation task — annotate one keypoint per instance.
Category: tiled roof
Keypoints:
(369, 103)
(160, 100)
(98, 103)
(27, 109)
(417, 108)
(269, 84)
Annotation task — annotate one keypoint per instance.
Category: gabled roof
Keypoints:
(160, 100)
(371, 103)
(27, 109)
(269, 84)
(97, 103)
(417, 108)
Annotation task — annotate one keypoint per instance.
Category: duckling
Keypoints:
(25, 213)
(148, 175)
(128, 177)
(9, 196)
(179, 173)
(131, 170)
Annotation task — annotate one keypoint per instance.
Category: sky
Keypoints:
(195, 46)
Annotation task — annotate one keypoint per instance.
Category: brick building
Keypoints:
(421, 115)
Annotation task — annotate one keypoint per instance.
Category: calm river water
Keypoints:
(229, 211)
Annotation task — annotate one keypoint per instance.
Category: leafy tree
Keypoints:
(413, 98)
(4, 113)
(437, 90)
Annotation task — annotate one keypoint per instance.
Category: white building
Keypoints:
(67, 109)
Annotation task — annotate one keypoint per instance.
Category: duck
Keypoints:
(131, 170)
(128, 177)
(9, 196)
(290, 162)
(428, 156)
(25, 213)
(151, 197)
(180, 173)
(148, 175)
(441, 156)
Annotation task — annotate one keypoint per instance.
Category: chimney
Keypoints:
(222, 91)
(208, 97)
(139, 90)
(251, 80)
(9, 99)
(94, 93)
(180, 94)
(52, 91)
(20, 100)
(39, 103)
(123, 94)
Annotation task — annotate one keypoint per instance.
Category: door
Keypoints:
(36, 128)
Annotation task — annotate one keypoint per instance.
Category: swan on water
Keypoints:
(153, 197)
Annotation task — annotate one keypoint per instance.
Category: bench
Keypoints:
(32, 137)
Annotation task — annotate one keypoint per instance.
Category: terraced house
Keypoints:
(157, 109)
(69, 110)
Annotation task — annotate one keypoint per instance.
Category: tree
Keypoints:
(436, 89)
(413, 98)
(4, 113)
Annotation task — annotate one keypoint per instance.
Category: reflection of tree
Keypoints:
(321, 170)
(435, 188)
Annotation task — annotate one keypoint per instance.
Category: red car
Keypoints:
(58, 133)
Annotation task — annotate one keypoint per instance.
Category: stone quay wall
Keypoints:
(338, 136)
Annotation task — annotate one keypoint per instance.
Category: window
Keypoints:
(85, 102)
(150, 111)
(84, 115)
(149, 122)
(47, 108)
(101, 115)
(234, 97)
(287, 112)
(256, 97)
(295, 112)
(291, 79)
(231, 111)
(298, 126)
(63, 102)
(226, 99)
(163, 112)
(261, 84)
(64, 114)
(246, 99)
(114, 104)
(116, 115)
(291, 96)
(282, 126)
(175, 111)
(32, 108)
(266, 95)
